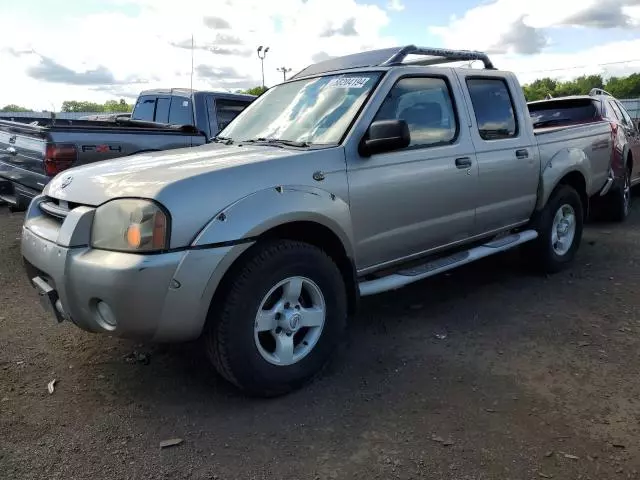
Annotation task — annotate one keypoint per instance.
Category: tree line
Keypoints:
(110, 106)
(619, 87)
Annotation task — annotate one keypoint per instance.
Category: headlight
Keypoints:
(130, 225)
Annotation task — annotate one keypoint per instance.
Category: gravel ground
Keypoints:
(486, 373)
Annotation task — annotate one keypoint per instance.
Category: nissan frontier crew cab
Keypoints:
(359, 175)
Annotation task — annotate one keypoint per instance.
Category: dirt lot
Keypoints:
(486, 373)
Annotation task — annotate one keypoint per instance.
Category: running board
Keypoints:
(405, 277)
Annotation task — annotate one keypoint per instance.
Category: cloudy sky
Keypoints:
(54, 50)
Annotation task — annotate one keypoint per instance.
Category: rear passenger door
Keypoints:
(632, 136)
(407, 202)
(506, 151)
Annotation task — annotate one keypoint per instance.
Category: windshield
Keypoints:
(311, 111)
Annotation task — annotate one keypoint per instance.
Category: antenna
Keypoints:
(191, 79)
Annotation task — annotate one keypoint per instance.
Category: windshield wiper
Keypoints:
(278, 142)
(225, 140)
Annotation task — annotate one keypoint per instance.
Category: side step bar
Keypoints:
(405, 277)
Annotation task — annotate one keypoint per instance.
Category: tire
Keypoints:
(543, 254)
(258, 363)
(618, 202)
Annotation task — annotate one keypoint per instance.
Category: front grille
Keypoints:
(58, 209)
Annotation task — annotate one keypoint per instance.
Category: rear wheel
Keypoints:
(559, 227)
(618, 202)
(279, 319)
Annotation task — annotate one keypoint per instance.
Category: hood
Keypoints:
(194, 184)
(146, 175)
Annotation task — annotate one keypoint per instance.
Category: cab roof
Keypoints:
(187, 92)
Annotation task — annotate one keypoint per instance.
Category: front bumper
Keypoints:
(17, 196)
(161, 297)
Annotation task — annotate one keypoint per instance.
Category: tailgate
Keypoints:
(21, 158)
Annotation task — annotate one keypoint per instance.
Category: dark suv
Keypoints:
(599, 105)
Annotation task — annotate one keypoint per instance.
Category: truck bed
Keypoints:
(593, 139)
(30, 154)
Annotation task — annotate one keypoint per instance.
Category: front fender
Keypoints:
(562, 163)
(261, 211)
(203, 268)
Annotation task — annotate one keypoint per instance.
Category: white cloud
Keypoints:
(118, 49)
(608, 60)
(395, 5)
(522, 26)
(517, 34)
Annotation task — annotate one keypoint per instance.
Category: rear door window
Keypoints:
(162, 109)
(145, 109)
(625, 114)
(493, 108)
(563, 112)
(617, 115)
(181, 112)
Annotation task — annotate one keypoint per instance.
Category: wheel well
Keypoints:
(308, 232)
(577, 181)
(322, 237)
(629, 162)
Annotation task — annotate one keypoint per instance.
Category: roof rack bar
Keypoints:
(445, 55)
(599, 91)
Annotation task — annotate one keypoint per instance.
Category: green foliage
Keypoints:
(619, 87)
(255, 91)
(111, 106)
(14, 108)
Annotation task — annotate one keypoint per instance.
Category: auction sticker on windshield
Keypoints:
(348, 82)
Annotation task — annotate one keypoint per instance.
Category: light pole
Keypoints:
(261, 54)
(284, 71)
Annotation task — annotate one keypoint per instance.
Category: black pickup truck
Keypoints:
(32, 154)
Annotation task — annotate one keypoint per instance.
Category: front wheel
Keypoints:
(280, 316)
(559, 227)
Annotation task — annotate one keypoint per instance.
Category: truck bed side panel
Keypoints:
(23, 147)
(99, 145)
(583, 148)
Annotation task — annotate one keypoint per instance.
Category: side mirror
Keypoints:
(385, 136)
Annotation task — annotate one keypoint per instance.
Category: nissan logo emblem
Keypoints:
(66, 181)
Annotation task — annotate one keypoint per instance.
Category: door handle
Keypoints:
(463, 162)
(522, 153)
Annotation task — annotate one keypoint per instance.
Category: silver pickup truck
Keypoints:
(359, 175)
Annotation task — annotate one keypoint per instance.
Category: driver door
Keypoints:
(407, 202)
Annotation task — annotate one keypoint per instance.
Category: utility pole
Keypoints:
(261, 54)
(284, 71)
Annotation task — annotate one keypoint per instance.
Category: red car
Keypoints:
(599, 106)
